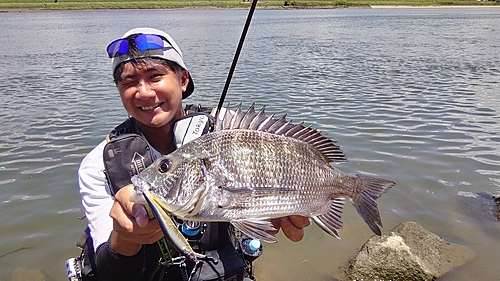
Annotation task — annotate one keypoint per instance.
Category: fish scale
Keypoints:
(281, 159)
(255, 167)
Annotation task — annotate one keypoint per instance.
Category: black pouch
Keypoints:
(125, 156)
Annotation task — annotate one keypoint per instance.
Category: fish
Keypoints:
(253, 168)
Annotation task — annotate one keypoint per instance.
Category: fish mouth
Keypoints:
(140, 185)
(150, 107)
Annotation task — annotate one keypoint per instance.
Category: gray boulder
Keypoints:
(407, 252)
(490, 203)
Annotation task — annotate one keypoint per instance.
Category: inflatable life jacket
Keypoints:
(127, 153)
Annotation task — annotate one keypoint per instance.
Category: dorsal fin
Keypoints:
(257, 121)
(237, 117)
(247, 118)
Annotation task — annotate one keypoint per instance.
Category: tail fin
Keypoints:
(364, 202)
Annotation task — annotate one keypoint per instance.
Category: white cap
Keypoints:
(169, 53)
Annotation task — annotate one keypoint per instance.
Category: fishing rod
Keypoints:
(235, 59)
(181, 245)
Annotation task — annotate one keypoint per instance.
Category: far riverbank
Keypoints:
(34, 5)
(427, 7)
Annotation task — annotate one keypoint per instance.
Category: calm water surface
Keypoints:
(411, 95)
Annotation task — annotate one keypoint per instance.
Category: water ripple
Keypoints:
(22, 197)
(410, 95)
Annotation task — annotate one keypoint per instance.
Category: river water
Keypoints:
(411, 95)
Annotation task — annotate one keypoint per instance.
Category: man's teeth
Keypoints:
(149, 107)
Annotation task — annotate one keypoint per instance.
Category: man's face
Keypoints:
(152, 93)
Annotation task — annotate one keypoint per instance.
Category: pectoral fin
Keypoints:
(256, 228)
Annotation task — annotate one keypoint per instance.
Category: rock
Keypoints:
(492, 202)
(489, 202)
(408, 252)
(497, 200)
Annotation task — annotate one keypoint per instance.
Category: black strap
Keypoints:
(88, 274)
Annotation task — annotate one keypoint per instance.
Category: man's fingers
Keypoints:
(292, 226)
(121, 218)
(276, 224)
(300, 221)
(291, 231)
(156, 235)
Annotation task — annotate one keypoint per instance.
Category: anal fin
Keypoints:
(331, 221)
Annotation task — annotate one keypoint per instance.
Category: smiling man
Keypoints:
(152, 80)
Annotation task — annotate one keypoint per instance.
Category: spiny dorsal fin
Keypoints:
(248, 117)
(257, 121)
(237, 117)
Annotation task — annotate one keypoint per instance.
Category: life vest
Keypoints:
(127, 153)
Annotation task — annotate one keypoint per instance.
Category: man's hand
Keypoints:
(292, 226)
(131, 225)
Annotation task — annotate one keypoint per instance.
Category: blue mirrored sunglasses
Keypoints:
(143, 42)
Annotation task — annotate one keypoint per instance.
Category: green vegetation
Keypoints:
(174, 4)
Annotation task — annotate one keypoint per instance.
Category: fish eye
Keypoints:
(164, 166)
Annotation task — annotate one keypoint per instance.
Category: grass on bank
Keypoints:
(174, 4)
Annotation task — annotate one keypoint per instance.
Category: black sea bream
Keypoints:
(253, 168)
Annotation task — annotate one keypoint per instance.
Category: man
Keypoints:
(152, 80)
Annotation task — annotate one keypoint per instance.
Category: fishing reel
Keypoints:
(192, 230)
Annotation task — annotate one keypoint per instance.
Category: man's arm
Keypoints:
(98, 203)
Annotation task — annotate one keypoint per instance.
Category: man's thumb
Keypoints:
(140, 215)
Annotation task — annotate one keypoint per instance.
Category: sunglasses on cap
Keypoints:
(143, 42)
